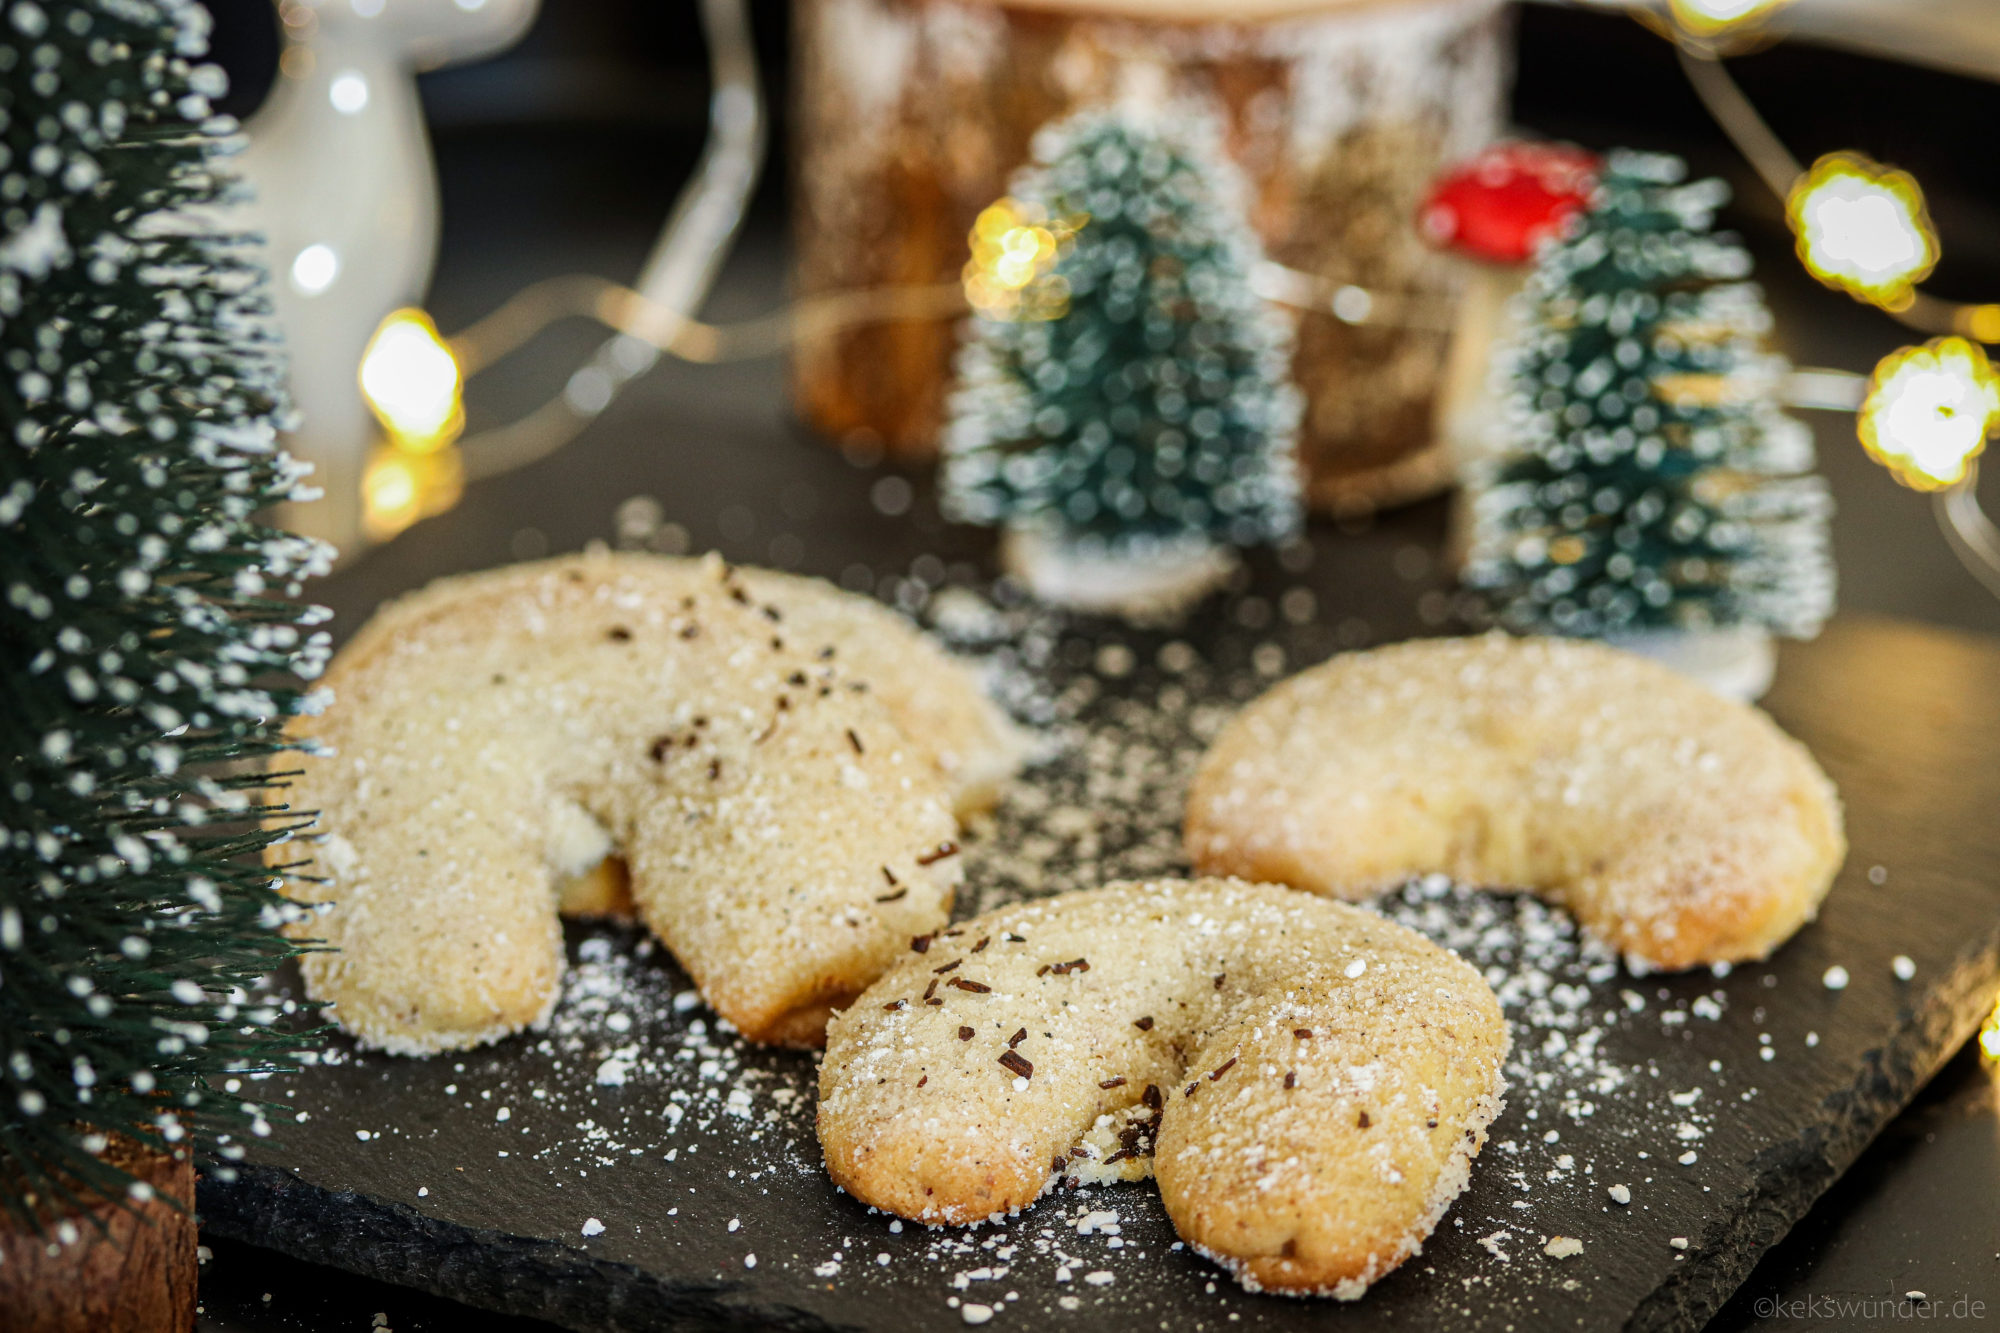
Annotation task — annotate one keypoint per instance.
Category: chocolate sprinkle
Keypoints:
(1143, 1024)
(1291, 1078)
(1220, 978)
(618, 634)
(1017, 1063)
(661, 744)
(1303, 1034)
(1118, 1082)
(965, 1034)
(976, 987)
(1151, 1097)
(1222, 1069)
(948, 966)
(889, 875)
(894, 1005)
(1364, 1121)
(892, 897)
(921, 943)
(938, 853)
(984, 940)
(1017, 1039)
(855, 741)
(1074, 965)
(931, 989)
(1192, 1089)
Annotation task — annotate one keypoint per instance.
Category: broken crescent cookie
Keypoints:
(499, 732)
(1308, 1082)
(1680, 827)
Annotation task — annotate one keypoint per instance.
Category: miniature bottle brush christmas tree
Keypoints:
(1648, 488)
(148, 646)
(1123, 407)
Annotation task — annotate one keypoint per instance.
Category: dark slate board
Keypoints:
(445, 1195)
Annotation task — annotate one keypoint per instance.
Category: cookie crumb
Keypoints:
(1563, 1247)
(1620, 1194)
(1835, 978)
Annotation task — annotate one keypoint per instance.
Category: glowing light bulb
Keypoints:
(1929, 410)
(1989, 1035)
(398, 487)
(1863, 228)
(1014, 251)
(411, 379)
(1706, 18)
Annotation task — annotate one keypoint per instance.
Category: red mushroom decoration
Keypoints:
(1503, 204)
(1498, 209)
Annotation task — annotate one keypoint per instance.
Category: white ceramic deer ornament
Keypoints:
(346, 195)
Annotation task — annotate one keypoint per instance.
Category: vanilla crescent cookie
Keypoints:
(498, 733)
(1680, 827)
(1308, 1082)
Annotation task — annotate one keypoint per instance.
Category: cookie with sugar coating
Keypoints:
(1682, 828)
(499, 732)
(943, 714)
(1308, 1082)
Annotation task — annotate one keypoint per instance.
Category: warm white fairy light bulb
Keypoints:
(1863, 228)
(1929, 410)
(412, 381)
(1709, 17)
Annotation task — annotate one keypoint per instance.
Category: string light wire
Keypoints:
(1967, 529)
(1971, 535)
(1775, 165)
(707, 215)
(663, 329)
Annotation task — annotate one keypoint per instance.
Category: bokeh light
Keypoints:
(400, 486)
(412, 381)
(1863, 228)
(1014, 252)
(1709, 18)
(1929, 410)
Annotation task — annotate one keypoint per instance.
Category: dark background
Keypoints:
(564, 154)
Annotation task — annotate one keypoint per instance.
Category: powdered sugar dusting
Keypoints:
(657, 1119)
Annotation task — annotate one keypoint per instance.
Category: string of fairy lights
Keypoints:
(1861, 228)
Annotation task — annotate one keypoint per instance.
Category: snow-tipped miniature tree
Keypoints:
(148, 650)
(1647, 479)
(1124, 406)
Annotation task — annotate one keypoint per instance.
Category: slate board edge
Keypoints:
(493, 1270)
(393, 1242)
(1787, 1178)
